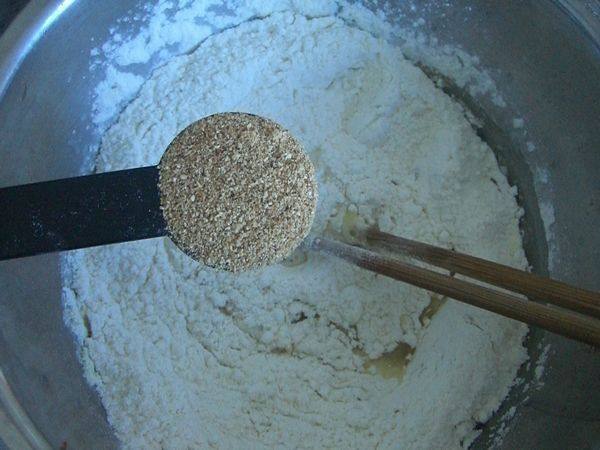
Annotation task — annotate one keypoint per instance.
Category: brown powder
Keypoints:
(237, 191)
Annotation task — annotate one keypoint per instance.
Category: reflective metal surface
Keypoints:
(546, 62)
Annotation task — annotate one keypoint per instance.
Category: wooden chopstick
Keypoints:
(531, 285)
(562, 321)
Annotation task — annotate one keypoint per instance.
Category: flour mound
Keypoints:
(292, 356)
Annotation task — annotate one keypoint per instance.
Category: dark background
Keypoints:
(9, 9)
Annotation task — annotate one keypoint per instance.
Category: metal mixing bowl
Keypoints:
(545, 58)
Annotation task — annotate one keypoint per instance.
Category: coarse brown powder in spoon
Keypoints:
(237, 191)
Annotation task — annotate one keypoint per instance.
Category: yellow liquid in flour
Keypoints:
(393, 364)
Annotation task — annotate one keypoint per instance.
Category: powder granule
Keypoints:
(237, 191)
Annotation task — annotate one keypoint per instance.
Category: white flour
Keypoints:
(186, 357)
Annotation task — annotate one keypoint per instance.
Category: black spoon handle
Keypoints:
(80, 212)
